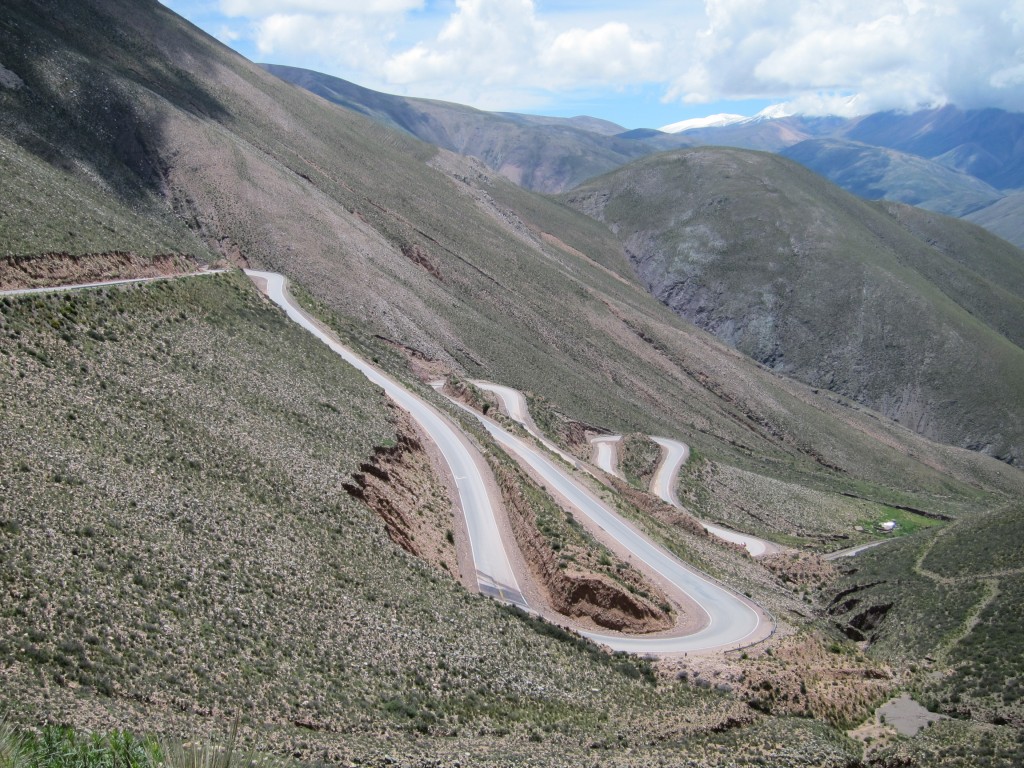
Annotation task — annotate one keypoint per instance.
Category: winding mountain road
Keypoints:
(674, 455)
(732, 621)
(853, 551)
(106, 283)
(493, 569)
(515, 405)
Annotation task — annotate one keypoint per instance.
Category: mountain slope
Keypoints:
(1004, 218)
(873, 173)
(410, 253)
(987, 143)
(816, 284)
(542, 154)
(411, 245)
(941, 160)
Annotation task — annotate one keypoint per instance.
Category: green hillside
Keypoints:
(945, 605)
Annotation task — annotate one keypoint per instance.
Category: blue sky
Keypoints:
(645, 63)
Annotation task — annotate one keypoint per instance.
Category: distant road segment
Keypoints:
(517, 410)
(663, 486)
(105, 283)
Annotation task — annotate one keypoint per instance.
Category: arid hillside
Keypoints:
(913, 314)
(184, 534)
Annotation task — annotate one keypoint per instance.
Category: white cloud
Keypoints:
(227, 35)
(887, 53)
(488, 44)
(609, 54)
(817, 55)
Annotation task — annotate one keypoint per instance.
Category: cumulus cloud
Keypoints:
(504, 44)
(887, 53)
(483, 41)
(609, 54)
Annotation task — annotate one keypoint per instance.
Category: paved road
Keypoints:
(664, 481)
(732, 620)
(663, 485)
(607, 453)
(494, 571)
(517, 410)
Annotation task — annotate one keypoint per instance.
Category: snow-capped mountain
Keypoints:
(711, 121)
(774, 112)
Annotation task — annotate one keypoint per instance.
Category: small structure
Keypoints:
(888, 527)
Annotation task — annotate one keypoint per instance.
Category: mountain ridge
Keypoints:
(957, 162)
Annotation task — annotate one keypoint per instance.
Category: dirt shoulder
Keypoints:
(47, 269)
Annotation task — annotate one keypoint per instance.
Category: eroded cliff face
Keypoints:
(400, 483)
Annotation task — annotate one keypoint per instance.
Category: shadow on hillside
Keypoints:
(98, 86)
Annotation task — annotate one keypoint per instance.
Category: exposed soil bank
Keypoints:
(662, 511)
(575, 594)
(399, 483)
(65, 269)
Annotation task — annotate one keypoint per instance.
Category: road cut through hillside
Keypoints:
(674, 455)
(732, 621)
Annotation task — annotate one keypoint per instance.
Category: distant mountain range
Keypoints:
(543, 154)
(946, 160)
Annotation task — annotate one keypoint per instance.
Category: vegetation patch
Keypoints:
(639, 459)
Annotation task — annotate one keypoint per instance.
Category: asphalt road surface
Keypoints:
(105, 283)
(663, 485)
(733, 621)
(607, 457)
(493, 569)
